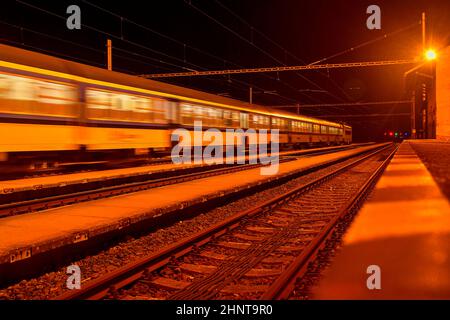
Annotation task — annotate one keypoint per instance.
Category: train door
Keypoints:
(173, 117)
(244, 126)
(244, 120)
(171, 112)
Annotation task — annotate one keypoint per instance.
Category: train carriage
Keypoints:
(53, 110)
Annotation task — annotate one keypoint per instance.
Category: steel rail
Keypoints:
(282, 287)
(54, 201)
(121, 277)
(94, 194)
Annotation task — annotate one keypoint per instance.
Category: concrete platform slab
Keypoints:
(404, 229)
(38, 230)
(9, 186)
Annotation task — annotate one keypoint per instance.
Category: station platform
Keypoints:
(52, 181)
(404, 229)
(29, 234)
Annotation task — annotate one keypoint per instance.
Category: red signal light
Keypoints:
(391, 133)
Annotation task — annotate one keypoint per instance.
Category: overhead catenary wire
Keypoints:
(254, 45)
(22, 43)
(185, 45)
(110, 35)
(276, 44)
(129, 42)
(351, 104)
(313, 63)
(364, 115)
(94, 63)
(72, 43)
(134, 43)
(366, 43)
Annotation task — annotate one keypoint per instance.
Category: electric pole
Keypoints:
(109, 53)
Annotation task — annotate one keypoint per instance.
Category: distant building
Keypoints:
(421, 87)
(443, 95)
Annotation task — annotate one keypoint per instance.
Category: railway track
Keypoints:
(40, 198)
(255, 254)
(70, 168)
(150, 181)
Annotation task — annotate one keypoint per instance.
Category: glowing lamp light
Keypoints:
(430, 54)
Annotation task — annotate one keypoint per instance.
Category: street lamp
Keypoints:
(430, 55)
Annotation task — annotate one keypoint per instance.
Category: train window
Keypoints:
(107, 105)
(211, 117)
(23, 89)
(275, 123)
(253, 120)
(258, 121)
(214, 113)
(141, 105)
(279, 123)
(5, 85)
(215, 117)
(235, 116)
(98, 100)
(264, 122)
(316, 128)
(227, 118)
(294, 126)
(333, 130)
(198, 112)
(20, 94)
(158, 111)
(56, 93)
(186, 116)
(323, 129)
(305, 127)
(244, 120)
(231, 119)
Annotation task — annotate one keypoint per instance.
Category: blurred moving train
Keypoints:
(54, 111)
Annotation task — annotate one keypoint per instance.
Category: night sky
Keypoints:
(176, 35)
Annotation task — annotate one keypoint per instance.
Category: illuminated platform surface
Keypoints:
(82, 177)
(404, 229)
(52, 228)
